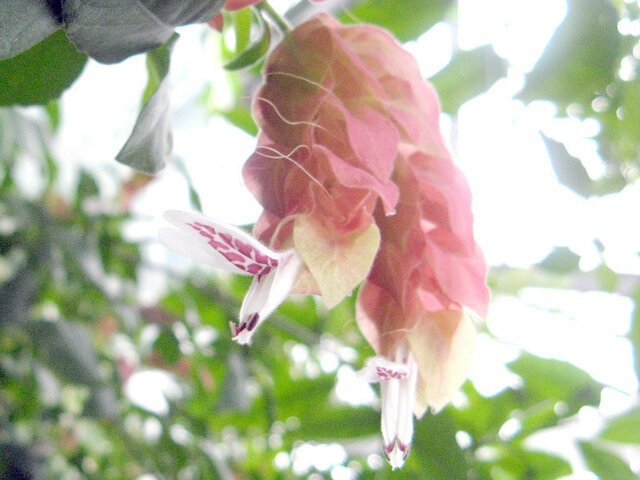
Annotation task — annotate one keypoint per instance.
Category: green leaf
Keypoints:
(624, 428)
(407, 19)
(151, 141)
(618, 138)
(255, 51)
(533, 465)
(547, 380)
(581, 57)
(568, 169)
(41, 73)
(605, 464)
(436, 450)
(242, 28)
(24, 24)
(330, 422)
(470, 73)
(112, 31)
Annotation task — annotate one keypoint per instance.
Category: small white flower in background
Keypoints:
(398, 382)
(230, 248)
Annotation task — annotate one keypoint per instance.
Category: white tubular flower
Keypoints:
(398, 382)
(230, 248)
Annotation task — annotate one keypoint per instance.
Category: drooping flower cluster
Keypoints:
(357, 184)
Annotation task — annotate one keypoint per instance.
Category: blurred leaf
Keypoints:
(332, 422)
(624, 428)
(87, 187)
(255, 51)
(605, 464)
(240, 116)
(407, 19)
(436, 449)
(167, 345)
(634, 334)
(618, 137)
(470, 73)
(151, 140)
(560, 260)
(53, 112)
(242, 28)
(68, 349)
(194, 196)
(580, 58)
(112, 31)
(41, 73)
(24, 24)
(547, 379)
(608, 278)
(568, 169)
(533, 465)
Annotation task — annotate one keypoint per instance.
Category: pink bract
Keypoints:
(328, 138)
(350, 156)
(239, 4)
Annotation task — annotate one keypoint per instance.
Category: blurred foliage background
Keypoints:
(96, 384)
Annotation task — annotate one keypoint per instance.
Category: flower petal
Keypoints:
(443, 347)
(217, 244)
(398, 396)
(265, 294)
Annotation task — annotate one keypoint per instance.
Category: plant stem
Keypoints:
(281, 22)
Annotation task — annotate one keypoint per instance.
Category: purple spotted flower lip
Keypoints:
(230, 248)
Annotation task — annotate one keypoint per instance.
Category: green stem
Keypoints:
(281, 22)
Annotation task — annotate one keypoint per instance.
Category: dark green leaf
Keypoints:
(407, 19)
(560, 260)
(24, 23)
(41, 73)
(255, 51)
(568, 169)
(581, 57)
(624, 428)
(112, 31)
(605, 464)
(183, 12)
(151, 141)
(470, 73)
